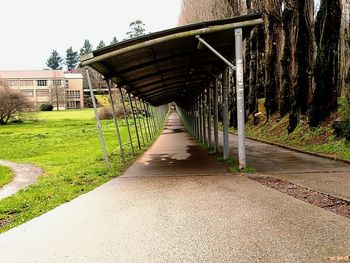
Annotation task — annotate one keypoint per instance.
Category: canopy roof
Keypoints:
(170, 65)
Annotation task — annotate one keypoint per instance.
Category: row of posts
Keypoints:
(147, 120)
(202, 118)
(198, 118)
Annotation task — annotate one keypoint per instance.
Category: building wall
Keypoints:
(74, 93)
(68, 90)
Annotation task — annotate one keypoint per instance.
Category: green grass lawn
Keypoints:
(5, 175)
(66, 145)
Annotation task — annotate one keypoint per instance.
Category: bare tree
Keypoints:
(13, 104)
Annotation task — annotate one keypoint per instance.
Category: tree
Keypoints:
(72, 58)
(136, 29)
(101, 44)
(12, 104)
(114, 41)
(327, 30)
(87, 48)
(54, 61)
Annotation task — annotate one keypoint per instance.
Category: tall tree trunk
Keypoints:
(327, 31)
(273, 84)
(260, 59)
(304, 61)
(304, 54)
(287, 60)
(253, 87)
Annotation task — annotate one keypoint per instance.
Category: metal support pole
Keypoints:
(115, 120)
(159, 122)
(98, 122)
(138, 118)
(152, 119)
(200, 117)
(215, 52)
(209, 116)
(147, 120)
(204, 120)
(135, 124)
(197, 120)
(240, 98)
(143, 120)
(216, 116)
(225, 114)
(200, 135)
(194, 120)
(127, 122)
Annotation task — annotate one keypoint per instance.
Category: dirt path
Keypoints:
(24, 175)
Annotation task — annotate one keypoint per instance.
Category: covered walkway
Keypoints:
(177, 204)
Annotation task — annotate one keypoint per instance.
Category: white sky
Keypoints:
(31, 29)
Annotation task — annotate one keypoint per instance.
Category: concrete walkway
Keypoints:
(320, 174)
(24, 176)
(176, 204)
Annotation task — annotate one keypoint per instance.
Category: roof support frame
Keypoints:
(90, 59)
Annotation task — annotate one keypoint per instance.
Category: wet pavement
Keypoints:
(319, 174)
(177, 204)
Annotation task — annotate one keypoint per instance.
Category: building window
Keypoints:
(41, 82)
(28, 92)
(26, 83)
(12, 83)
(42, 93)
(73, 94)
(71, 105)
(56, 82)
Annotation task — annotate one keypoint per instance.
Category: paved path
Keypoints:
(24, 175)
(162, 210)
(317, 173)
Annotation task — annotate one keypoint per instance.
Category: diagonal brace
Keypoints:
(201, 40)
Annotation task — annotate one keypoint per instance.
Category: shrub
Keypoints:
(345, 128)
(105, 113)
(46, 107)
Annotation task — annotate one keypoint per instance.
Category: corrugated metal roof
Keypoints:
(31, 74)
(169, 66)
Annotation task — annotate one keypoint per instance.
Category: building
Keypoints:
(62, 90)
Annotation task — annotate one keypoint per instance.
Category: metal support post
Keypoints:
(215, 52)
(115, 120)
(143, 120)
(152, 119)
(240, 98)
(209, 116)
(197, 119)
(138, 119)
(135, 124)
(204, 120)
(225, 114)
(98, 122)
(147, 120)
(127, 122)
(216, 116)
(194, 120)
(200, 118)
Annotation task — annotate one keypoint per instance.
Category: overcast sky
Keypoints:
(31, 29)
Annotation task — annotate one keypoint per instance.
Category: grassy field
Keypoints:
(66, 145)
(5, 175)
